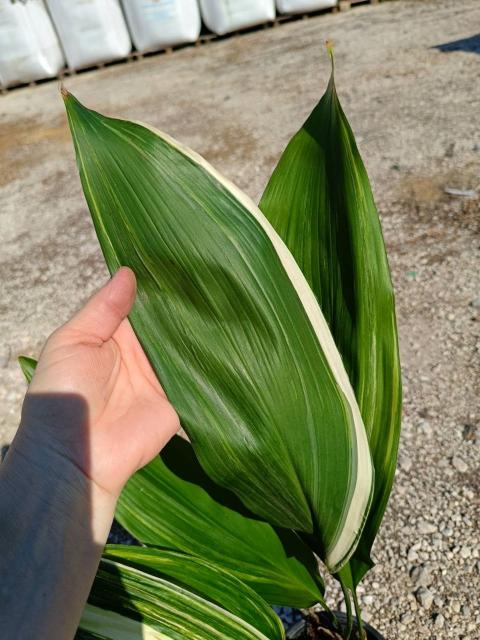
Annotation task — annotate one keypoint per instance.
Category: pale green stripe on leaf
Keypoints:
(320, 202)
(232, 330)
(206, 579)
(108, 625)
(153, 603)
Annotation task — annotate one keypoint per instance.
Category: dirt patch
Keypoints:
(232, 143)
(27, 142)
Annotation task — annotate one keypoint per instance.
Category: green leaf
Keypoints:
(27, 366)
(172, 503)
(232, 330)
(320, 202)
(151, 594)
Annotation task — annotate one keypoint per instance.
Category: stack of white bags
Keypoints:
(303, 6)
(91, 31)
(224, 16)
(37, 37)
(29, 47)
(155, 24)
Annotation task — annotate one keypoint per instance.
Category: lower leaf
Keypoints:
(155, 595)
(173, 503)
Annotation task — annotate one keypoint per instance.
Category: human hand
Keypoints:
(94, 399)
(93, 414)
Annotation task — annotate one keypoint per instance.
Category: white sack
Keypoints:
(29, 47)
(155, 24)
(300, 6)
(91, 31)
(223, 16)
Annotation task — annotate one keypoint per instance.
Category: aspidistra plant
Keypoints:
(320, 201)
(273, 332)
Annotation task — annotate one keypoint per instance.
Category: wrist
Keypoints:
(54, 525)
(62, 427)
(39, 472)
(54, 431)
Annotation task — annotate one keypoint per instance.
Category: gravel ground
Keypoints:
(414, 109)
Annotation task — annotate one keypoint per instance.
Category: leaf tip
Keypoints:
(329, 46)
(27, 365)
(65, 93)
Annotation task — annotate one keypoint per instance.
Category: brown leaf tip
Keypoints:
(329, 46)
(64, 91)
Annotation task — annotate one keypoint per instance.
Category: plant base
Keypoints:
(318, 627)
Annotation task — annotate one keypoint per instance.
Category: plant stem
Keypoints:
(358, 613)
(331, 615)
(348, 604)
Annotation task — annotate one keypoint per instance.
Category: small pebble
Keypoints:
(425, 527)
(425, 427)
(366, 616)
(424, 597)
(470, 433)
(439, 621)
(459, 464)
(412, 555)
(455, 606)
(405, 463)
(422, 576)
(406, 618)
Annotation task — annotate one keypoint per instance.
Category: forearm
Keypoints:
(94, 413)
(53, 525)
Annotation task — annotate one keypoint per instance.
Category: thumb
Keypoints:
(103, 313)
